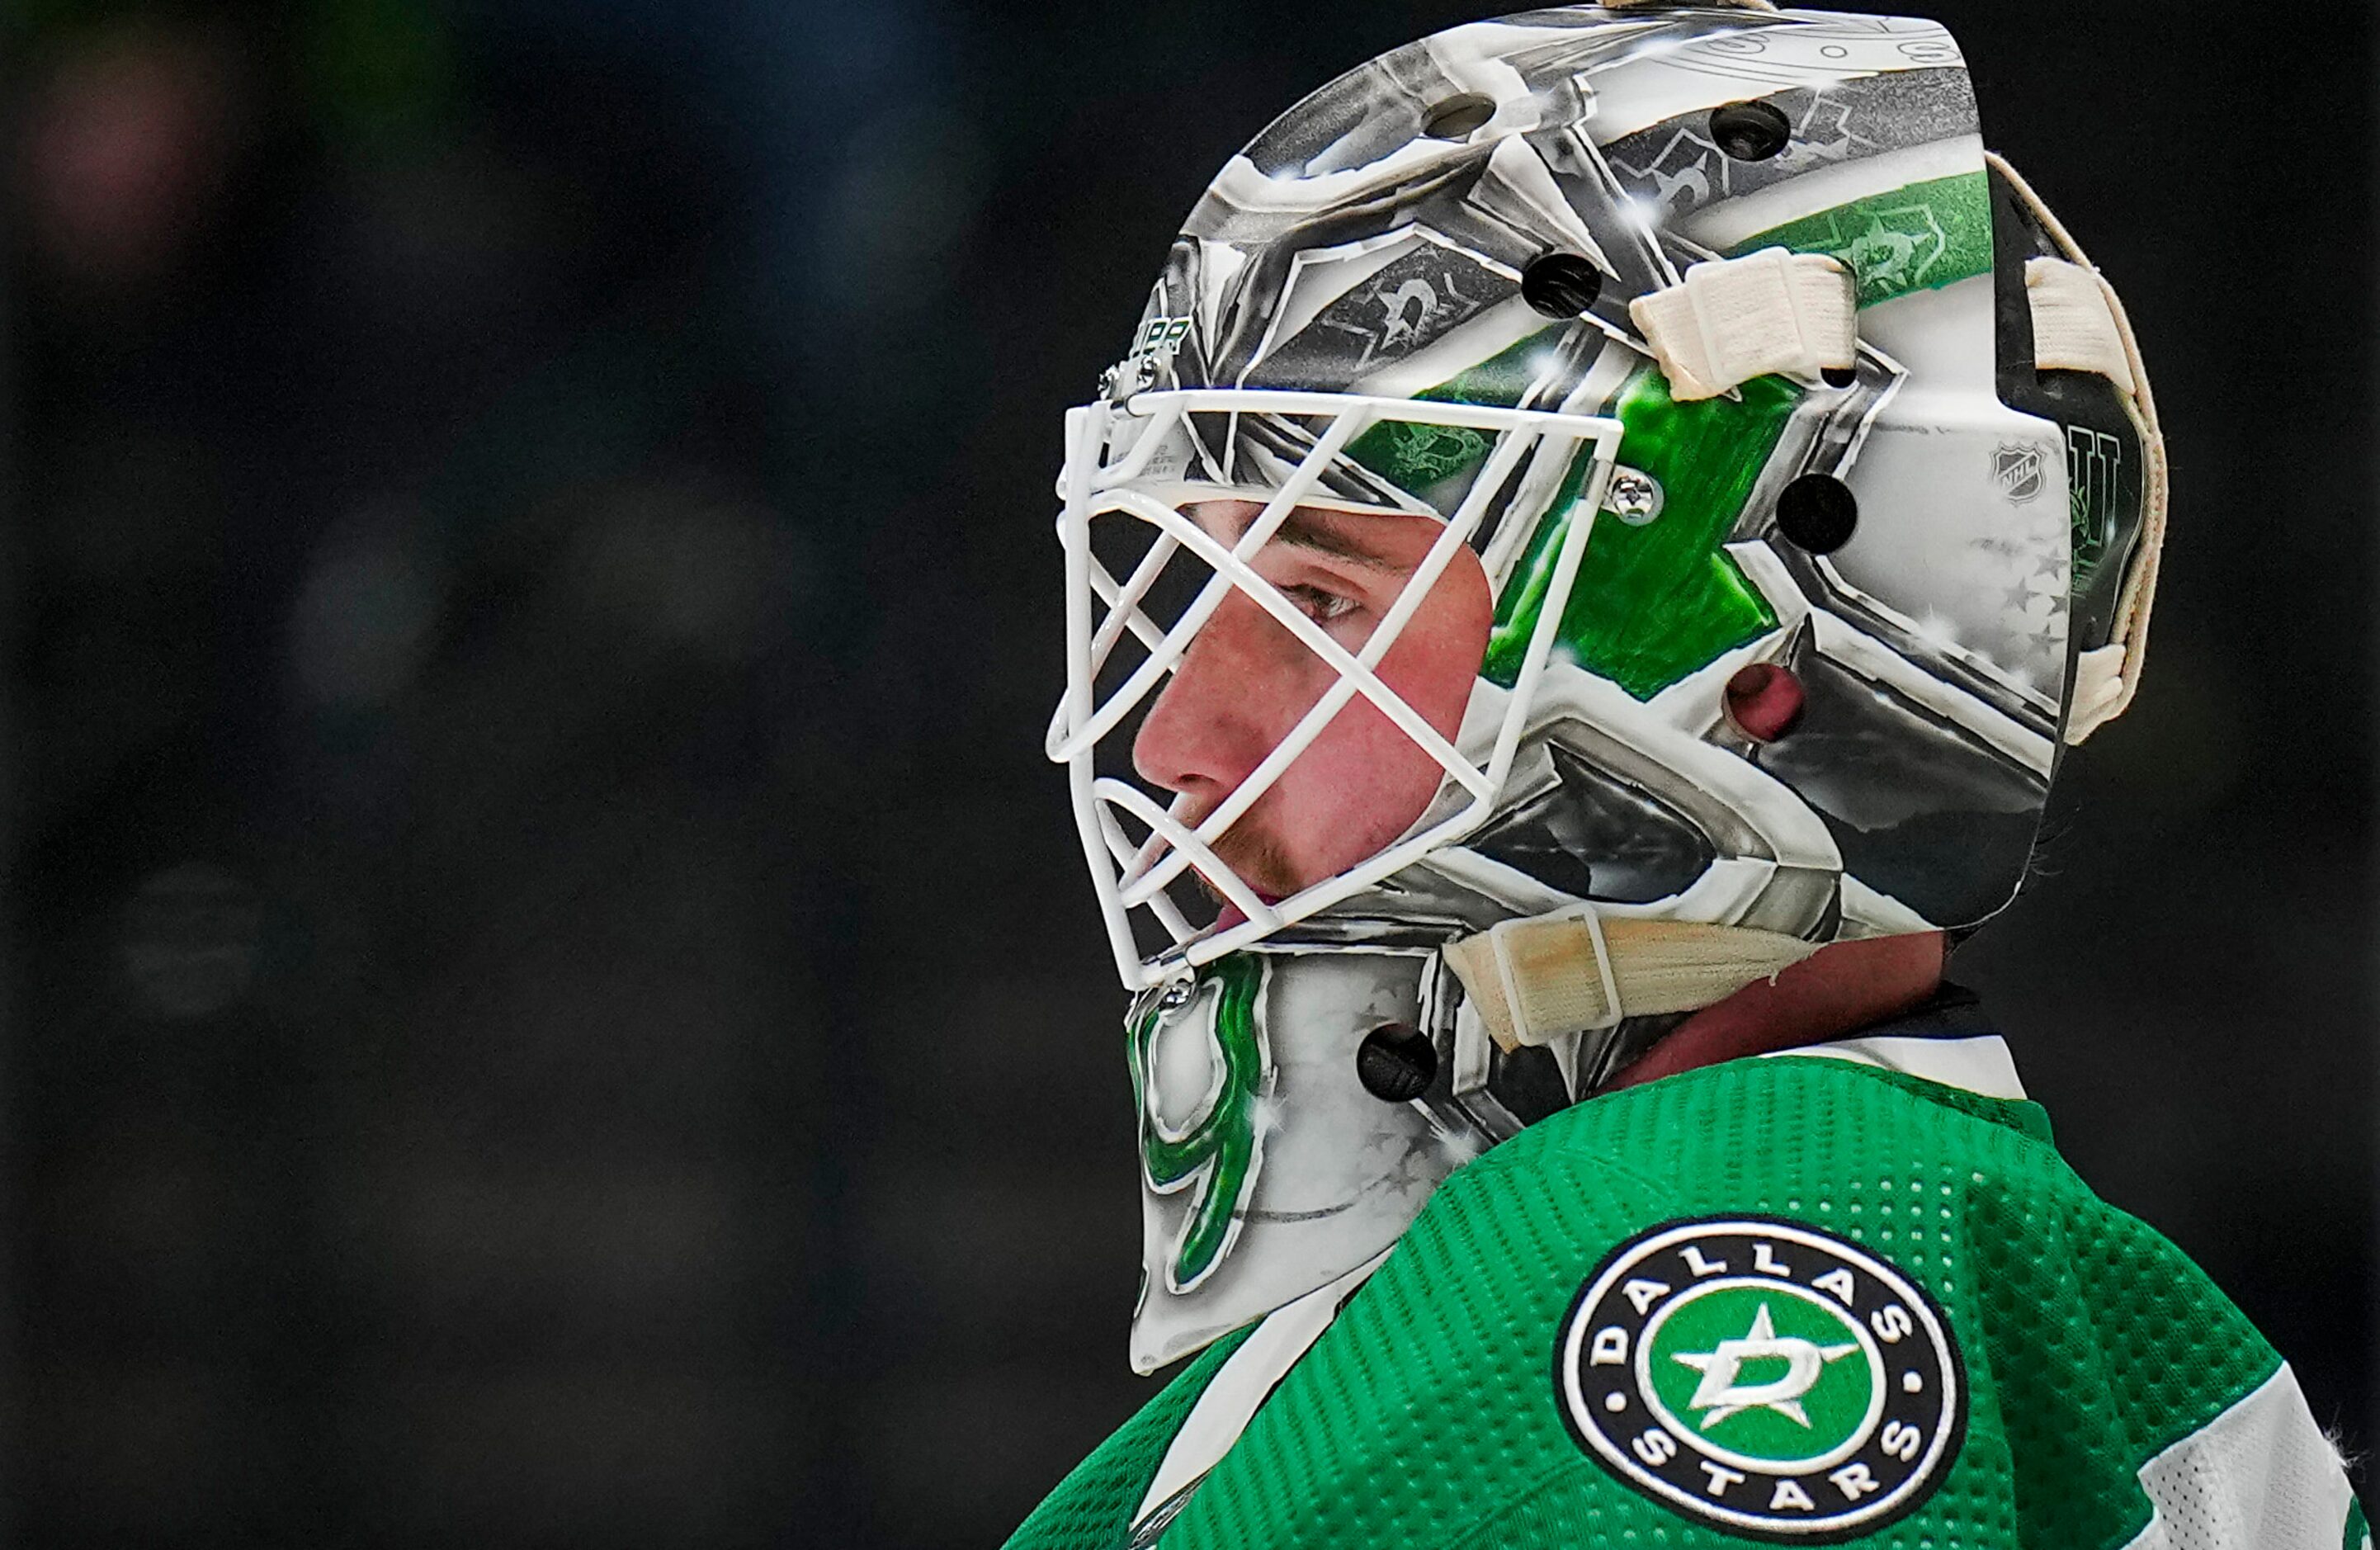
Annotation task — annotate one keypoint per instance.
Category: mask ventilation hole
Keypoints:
(1751, 132)
(1457, 117)
(1561, 285)
(1817, 512)
(1763, 701)
(1839, 376)
(1396, 1064)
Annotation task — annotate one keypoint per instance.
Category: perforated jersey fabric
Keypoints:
(1428, 1414)
(2255, 1476)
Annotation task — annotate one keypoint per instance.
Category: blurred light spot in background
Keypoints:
(684, 569)
(125, 145)
(914, 179)
(190, 940)
(365, 615)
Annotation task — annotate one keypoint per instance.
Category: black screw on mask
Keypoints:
(1396, 1064)
(1751, 132)
(1561, 285)
(1817, 512)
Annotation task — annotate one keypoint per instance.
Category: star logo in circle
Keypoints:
(1764, 1377)
(1721, 1393)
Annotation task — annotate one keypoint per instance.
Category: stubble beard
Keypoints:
(1256, 859)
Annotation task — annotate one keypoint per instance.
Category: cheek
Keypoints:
(1436, 661)
(1265, 675)
(1364, 782)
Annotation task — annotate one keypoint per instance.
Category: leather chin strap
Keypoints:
(1533, 981)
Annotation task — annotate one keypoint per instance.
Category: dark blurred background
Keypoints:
(551, 999)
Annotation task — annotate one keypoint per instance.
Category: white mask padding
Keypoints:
(2078, 325)
(1732, 320)
(2073, 321)
(1535, 981)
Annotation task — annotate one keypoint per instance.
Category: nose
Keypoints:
(1218, 716)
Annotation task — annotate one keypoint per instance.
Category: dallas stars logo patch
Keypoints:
(1764, 1377)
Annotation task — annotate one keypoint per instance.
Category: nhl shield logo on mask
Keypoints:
(1774, 1380)
(2018, 472)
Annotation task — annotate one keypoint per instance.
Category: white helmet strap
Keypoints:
(1535, 981)
(1732, 320)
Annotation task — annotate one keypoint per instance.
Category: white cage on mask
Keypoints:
(1136, 460)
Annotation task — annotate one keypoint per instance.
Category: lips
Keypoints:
(1231, 914)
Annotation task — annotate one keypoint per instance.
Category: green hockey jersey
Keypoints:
(1846, 1294)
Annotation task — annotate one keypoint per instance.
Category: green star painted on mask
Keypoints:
(1652, 602)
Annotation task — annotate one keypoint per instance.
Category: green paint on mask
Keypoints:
(1216, 1156)
(1918, 238)
(1652, 603)
(1414, 457)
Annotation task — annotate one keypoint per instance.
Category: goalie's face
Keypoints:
(1247, 681)
(1287, 678)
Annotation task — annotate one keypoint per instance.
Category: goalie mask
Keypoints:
(1598, 506)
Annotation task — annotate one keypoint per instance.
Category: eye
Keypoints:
(1320, 606)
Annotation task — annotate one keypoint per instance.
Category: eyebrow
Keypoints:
(1305, 530)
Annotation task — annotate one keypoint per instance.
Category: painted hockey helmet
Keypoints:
(1810, 485)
